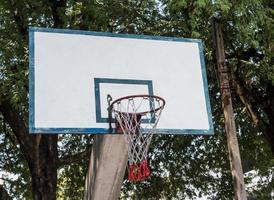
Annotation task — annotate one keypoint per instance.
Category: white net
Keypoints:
(137, 117)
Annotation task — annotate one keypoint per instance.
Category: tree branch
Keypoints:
(246, 55)
(76, 158)
(248, 99)
(20, 21)
(17, 124)
(240, 91)
(55, 6)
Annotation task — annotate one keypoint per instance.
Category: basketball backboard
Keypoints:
(72, 73)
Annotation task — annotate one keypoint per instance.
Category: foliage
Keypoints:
(182, 166)
(71, 178)
(12, 162)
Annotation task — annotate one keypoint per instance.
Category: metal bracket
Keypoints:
(110, 120)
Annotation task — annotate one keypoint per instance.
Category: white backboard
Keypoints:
(72, 72)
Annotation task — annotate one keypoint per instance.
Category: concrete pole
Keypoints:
(232, 141)
(107, 167)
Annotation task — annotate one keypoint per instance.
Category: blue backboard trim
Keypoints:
(107, 131)
(107, 34)
(98, 81)
(206, 92)
(31, 82)
(33, 129)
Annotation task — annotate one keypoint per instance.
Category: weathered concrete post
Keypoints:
(107, 167)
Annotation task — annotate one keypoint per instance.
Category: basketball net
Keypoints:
(137, 117)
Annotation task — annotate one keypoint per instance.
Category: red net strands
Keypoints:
(138, 171)
(137, 117)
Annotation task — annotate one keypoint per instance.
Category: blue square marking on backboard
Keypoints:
(98, 81)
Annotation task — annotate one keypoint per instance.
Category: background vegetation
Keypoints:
(182, 166)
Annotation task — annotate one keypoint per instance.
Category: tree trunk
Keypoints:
(40, 152)
(269, 109)
(3, 194)
(270, 136)
(43, 168)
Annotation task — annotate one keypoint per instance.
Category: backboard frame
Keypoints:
(33, 129)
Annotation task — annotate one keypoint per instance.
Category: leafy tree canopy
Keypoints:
(182, 166)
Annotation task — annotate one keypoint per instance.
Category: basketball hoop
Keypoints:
(137, 117)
